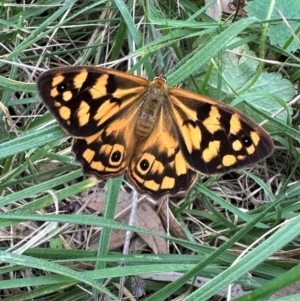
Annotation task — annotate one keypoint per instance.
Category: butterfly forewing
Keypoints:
(216, 138)
(86, 99)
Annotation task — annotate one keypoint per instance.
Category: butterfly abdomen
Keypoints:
(153, 98)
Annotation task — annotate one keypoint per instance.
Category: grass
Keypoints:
(241, 228)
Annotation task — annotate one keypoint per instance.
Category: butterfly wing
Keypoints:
(98, 107)
(85, 99)
(214, 137)
(106, 153)
(158, 166)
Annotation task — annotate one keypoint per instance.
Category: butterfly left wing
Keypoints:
(106, 153)
(98, 108)
(85, 99)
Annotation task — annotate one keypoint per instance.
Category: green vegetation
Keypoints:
(241, 228)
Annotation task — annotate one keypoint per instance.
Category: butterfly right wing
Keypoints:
(215, 137)
(158, 167)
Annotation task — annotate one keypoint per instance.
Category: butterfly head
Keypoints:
(160, 78)
(159, 87)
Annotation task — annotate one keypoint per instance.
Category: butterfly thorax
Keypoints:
(153, 98)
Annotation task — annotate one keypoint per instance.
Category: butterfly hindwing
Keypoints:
(106, 153)
(158, 166)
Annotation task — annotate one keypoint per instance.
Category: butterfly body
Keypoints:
(153, 101)
(165, 136)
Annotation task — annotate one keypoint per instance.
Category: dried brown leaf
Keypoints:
(145, 218)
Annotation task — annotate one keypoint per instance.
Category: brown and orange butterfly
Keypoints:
(165, 136)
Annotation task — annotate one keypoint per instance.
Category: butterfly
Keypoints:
(163, 136)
